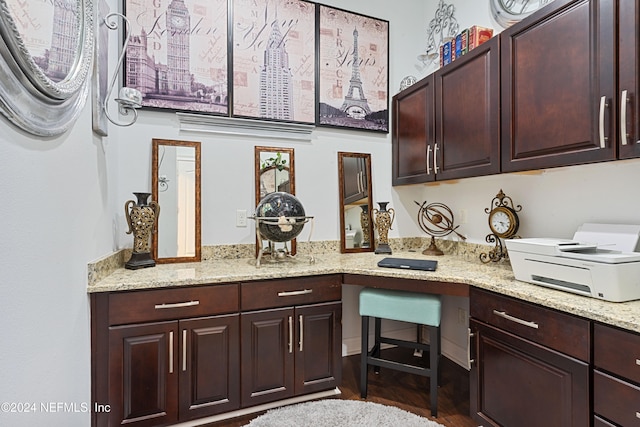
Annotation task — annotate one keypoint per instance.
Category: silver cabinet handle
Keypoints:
(177, 305)
(470, 335)
(301, 322)
(290, 334)
(637, 414)
(184, 349)
(623, 117)
(603, 105)
(428, 159)
(171, 352)
(638, 362)
(294, 293)
(435, 158)
(515, 319)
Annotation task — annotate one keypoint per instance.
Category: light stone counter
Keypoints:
(496, 277)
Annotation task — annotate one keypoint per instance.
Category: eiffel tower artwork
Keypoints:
(355, 103)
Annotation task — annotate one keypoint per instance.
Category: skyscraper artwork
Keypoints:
(274, 60)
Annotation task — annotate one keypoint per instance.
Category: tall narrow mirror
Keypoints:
(356, 226)
(274, 171)
(176, 188)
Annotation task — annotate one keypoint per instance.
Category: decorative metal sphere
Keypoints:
(435, 219)
(280, 217)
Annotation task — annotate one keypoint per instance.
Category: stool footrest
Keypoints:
(405, 343)
(385, 363)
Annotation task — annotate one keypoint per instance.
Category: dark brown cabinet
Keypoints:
(159, 359)
(629, 78)
(447, 125)
(165, 371)
(531, 364)
(559, 86)
(616, 377)
(295, 348)
(290, 351)
(165, 356)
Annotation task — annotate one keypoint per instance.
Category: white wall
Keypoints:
(62, 207)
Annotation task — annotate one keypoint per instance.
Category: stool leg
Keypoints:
(364, 353)
(434, 358)
(376, 346)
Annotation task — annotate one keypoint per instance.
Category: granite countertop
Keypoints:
(497, 277)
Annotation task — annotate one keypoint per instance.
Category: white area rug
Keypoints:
(336, 412)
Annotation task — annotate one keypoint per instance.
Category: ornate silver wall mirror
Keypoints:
(46, 53)
(356, 226)
(176, 188)
(274, 171)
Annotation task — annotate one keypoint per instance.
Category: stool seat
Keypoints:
(403, 306)
(414, 307)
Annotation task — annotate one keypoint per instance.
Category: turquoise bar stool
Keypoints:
(413, 307)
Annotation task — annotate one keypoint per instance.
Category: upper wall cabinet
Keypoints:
(447, 125)
(629, 78)
(559, 86)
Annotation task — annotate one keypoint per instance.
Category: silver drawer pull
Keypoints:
(515, 319)
(177, 305)
(294, 293)
(638, 362)
(637, 414)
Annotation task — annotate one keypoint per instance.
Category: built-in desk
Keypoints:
(215, 290)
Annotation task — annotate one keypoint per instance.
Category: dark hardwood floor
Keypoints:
(403, 390)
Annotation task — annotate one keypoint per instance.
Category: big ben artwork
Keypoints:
(178, 32)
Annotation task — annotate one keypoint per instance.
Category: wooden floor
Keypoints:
(405, 391)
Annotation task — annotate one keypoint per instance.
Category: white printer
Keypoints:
(600, 261)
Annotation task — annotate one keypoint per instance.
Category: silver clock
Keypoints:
(508, 12)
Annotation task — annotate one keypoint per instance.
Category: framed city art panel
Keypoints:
(353, 81)
(178, 54)
(274, 54)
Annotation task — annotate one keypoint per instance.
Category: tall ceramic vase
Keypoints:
(383, 219)
(141, 217)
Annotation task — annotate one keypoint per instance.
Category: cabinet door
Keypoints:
(517, 383)
(267, 355)
(558, 86)
(467, 94)
(413, 131)
(318, 361)
(143, 380)
(629, 80)
(209, 366)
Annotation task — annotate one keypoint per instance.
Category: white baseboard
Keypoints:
(253, 409)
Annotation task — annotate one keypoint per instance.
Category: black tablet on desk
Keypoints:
(409, 264)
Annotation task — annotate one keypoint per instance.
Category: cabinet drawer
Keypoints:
(165, 304)
(562, 332)
(616, 400)
(289, 292)
(617, 352)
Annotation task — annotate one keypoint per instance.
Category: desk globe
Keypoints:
(280, 218)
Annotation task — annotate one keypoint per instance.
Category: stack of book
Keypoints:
(464, 42)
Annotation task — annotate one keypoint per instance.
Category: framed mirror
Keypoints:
(356, 225)
(175, 174)
(46, 53)
(274, 171)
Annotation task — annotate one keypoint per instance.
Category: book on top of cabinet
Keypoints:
(479, 35)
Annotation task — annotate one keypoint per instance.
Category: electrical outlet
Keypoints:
(241, 218)
(462, 316)
(463, 216)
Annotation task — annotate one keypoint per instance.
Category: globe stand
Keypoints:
(432, 249)
(274, 253)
